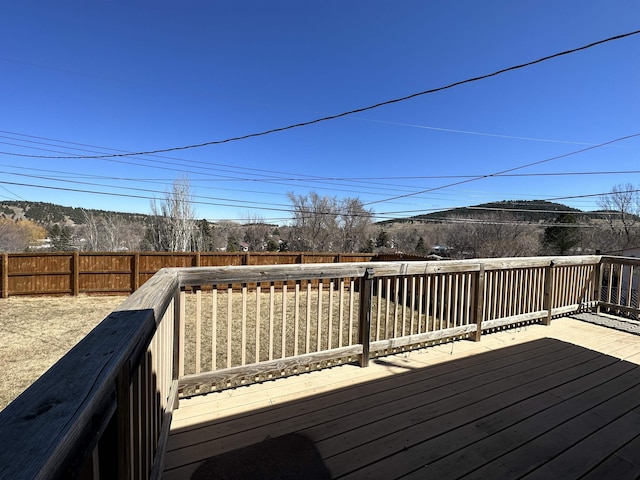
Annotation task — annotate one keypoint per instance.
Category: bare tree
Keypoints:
(17, 235)
(91, 231)
(315, 223)
(492, 235)
(256, 232)
(229, 234)
(104, 233)
(621, 208)
(173, 220)
(355, 225)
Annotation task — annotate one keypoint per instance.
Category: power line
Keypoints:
(39, 177)
(269, 180)
(125, 195)
(351, 112)
(273, 178)
(500, 173)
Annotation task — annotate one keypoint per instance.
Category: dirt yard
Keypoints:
(37, 331)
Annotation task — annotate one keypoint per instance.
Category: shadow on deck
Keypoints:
(545, 408)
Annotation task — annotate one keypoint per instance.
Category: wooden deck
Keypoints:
(542, 402)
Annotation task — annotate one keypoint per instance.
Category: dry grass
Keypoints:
(37, 331)
(275, 322)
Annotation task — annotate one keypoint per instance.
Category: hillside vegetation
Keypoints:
(506, 228)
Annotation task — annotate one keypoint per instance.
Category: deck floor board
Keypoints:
(543, 401)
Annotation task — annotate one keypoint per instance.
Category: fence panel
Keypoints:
(106, 273)
(40, 274)
(118, 273)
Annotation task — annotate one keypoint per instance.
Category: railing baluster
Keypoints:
(296, 318)
(387, 307)
(198, 328)
(378, 308)
(341, 312)
(413, 306)
(271, 317)
(214, 327)
(330, 316)
(283, 343)
(404, 305)
(257, 329)
(229, 325)
(421, 302)
(319, 319)
(308, 330)
(243, 355)
(428, 304)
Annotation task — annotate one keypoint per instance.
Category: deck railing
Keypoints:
(105, 409)
(619, 287)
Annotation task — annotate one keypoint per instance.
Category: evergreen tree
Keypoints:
(60, 238)
(421, 249)
(561, 238)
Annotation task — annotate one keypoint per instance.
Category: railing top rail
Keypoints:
(621, 260)
(292, 272)
(54, 424)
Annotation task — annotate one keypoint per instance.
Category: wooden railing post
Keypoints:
(548, 292)
(364, 323)
(479, 304)
(178, 335)
(598, 276)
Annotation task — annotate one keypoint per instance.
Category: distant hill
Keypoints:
(532, 211)
(47, 214)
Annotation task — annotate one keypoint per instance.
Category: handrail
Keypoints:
(431, 301)
(63, 420)
(106, 405)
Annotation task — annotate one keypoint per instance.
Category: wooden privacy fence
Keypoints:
(104, 410)
(73, 273)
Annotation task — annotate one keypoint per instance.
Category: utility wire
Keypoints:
(351, 112)
(386, 186)
(497, 174)
(273, 178)
(383, 215)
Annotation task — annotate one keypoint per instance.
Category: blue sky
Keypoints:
(91, 78)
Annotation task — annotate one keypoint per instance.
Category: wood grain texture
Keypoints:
(446, 410)
(51, 428)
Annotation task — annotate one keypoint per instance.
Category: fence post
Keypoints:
(75, 274)
(4, 280)
(135, 284)
(364, 321)
(548, 292)
(479, 305)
